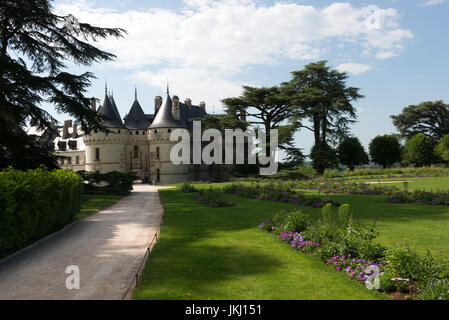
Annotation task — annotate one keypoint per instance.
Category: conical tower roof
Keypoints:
(117, 113)
(136, 118)
(107, 109)
(164, 117)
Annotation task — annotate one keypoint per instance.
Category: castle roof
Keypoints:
(164, 117)
(136, 118)
(112, 116)
(117, 113)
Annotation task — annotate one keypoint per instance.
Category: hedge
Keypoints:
(34, 204)
(117, 183)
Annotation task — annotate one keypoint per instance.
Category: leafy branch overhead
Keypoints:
(35, 46)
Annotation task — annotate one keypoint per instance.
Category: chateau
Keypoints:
(140, 143)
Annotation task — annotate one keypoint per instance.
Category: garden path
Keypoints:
(107, 247)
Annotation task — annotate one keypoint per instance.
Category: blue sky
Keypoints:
(207, 49)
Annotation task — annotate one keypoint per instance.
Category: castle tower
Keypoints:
(106, 152)
(162, 170)
(138, 153)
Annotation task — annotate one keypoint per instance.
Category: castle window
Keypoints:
(95, 131)
(69, 160)
(169, 130)
(158, 175)
(130, 133)
(137, 133)
(136, 152)
(97, 154)
(155, 131)
(62, 145)
(158, 153)
(62, 161)
(77, 160)
(119, 132)
(73, 145)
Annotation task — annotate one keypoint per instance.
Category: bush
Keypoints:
(187, 186)
(436, 290)
(117, 183)
(213, 198)
(296, 221)
(34, 204)
(405, 263)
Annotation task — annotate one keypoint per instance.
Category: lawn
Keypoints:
(219, 253)
(93, 203)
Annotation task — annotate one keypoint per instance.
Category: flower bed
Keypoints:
(420, 197)
(213, 198)
(351, 249)
(274, 192)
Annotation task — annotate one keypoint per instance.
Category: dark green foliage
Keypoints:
(35, 46)
(351, 153)
(385, 150)
(436, 290)
(442, 148)
(323, 156)
(213, 198)
(320, 96)
(296, 220)
(405, 263)
(187, 186)
(300, 173)
(34, 204)
(419, 150)
(429, 118)
(117, 183)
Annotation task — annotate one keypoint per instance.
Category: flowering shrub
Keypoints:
(213, 198)
(295, 240)
(276, 192)
(354, 267)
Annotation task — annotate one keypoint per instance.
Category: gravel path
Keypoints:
(107, 247)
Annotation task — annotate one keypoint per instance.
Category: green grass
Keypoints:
(218, 253)
(95, 203)
(427, 184)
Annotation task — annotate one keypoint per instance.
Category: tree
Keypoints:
(320, 96)
(269, 108)
(419, 150)
(385, 150)
(442, 149)
(323, 156)
(430, 118)
(35, 44)
(351, 153)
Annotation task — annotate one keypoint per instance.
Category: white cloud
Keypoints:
(354, 68)
(204, 46)
(430, 3)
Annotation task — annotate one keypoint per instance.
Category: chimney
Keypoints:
(157, 104)
(188, 102)
(94, 104)
(176, 111)
(203, 105)
(65, 129)
(243, 115)
(75, 131)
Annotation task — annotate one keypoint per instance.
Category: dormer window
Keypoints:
(62, 146)
(73, 144)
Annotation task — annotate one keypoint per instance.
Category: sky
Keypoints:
(395, 51)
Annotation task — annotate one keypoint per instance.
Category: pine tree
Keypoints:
(35, 45)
